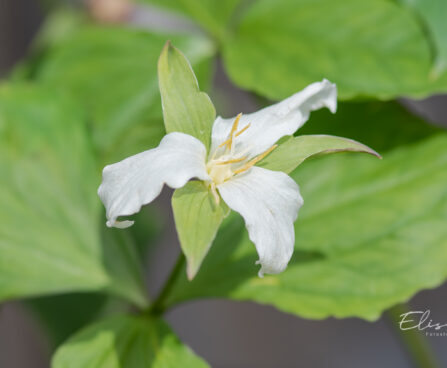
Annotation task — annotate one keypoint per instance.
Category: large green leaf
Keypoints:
(370, 234)
(113, 73)
(126, 342)
(294, 150)
(50, 238)
(372, 48)
(197, 219)
(212, 15)
(185, 108)
(433, 13)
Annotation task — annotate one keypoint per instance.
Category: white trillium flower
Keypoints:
(267, 200)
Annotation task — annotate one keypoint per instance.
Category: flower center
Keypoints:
(225, 162)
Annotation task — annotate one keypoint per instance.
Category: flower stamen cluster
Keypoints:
(224, 165)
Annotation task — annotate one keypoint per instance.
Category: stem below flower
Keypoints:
(414, 341)
(158, 306)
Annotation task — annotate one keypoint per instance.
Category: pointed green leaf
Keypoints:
(112, 71)
(197, 219)
(371, 234)
(185, 108)
(291, 153)
(126, 342)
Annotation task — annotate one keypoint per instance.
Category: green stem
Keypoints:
(414, 340)
(158, 306)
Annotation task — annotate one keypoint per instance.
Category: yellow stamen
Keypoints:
(242, 130)
(229, 141)
(254, 161)
(225, 143)
(231, 161)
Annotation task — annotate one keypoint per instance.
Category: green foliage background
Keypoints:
(371, 234)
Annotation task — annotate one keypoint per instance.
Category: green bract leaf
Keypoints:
(48, 182)
(210, 14)
(126, 342)
(113, 73)
(185, 108)
(197, 219)
(372, 48)
(48, 226)
(370, 234)
(291, 153)
(433, 13)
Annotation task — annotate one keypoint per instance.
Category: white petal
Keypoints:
(269, 202)
(268, 125)
(137, 180)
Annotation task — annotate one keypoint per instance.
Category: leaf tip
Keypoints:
(374, 153)
(191, 271)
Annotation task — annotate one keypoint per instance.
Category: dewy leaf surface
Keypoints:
(370, 234)
(50, 217)
(126, 342)
(373, 48)
(112, 71)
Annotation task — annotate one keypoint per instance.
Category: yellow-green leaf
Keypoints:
(185, 108)
(197, 219)
(291, 153)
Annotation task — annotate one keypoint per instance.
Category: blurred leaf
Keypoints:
(148, 225)
(126, 342)
(433, 14)
(381, 125)
(49, 238)
(58, 25)
(113, 72)
(369, 48)
(370, 234)
(185, 108)
(49, 227)
(121, 261)
(193, 205)
(62, 315)
(294, 150)
(212, 15)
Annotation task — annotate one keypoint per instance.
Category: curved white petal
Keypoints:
(269, 202)
(273, 122)
(137, 180)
